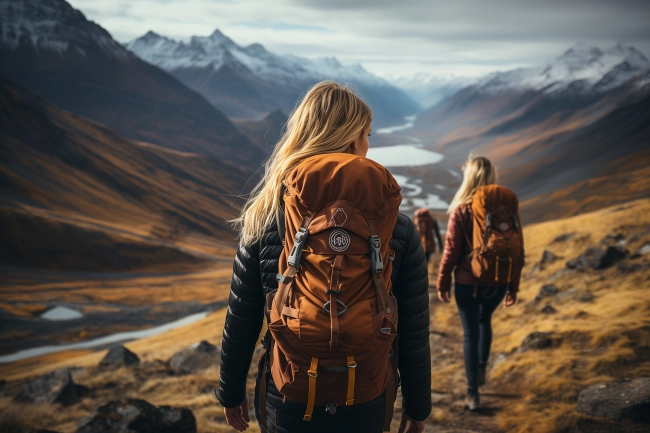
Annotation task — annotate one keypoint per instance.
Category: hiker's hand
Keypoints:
(443, 296)
(511, 299)
(414, 426)
(237, 417)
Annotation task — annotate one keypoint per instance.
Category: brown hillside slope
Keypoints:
(626, 179)
(601, 322)
(62, 168)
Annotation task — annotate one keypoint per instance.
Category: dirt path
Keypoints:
(449, 414)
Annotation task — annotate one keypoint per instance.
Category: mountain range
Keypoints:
(52, 50)
(582, 116)
(251, 81)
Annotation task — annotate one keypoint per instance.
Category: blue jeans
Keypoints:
(476, 316)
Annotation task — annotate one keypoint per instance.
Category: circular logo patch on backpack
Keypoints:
(503, 227)
(339, 240)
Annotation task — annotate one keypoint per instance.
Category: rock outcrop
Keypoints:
(195, 358)
(119, 356)
(597, 258)
(177, 419)
(138, 416)
(546, 291)
(548, 257)
(54, 387)
(540, 341)
(620, 400)
(548, 309)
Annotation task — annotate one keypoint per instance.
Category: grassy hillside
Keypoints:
(599, 325)
(599, 322)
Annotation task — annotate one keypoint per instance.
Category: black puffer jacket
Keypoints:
(254, 275)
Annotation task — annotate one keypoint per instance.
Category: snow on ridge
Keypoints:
(582, 66)
(52, 25)
(217, 51)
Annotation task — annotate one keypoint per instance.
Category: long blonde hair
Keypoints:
(328, 120)
(477, 171)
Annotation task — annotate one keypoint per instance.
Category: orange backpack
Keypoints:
(425, 223)
(498, 243)
(333, 319)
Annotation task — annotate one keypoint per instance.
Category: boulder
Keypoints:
(619, 400)
(548, 257)
(546, 291)
(119, 356)
(122, 416)
(195, 358)
(55, 387)
(597, 258)
(177, 419)
(138, 416)
(540, 341)
(548, 310)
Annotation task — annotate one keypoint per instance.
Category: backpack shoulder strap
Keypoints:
(279, 216)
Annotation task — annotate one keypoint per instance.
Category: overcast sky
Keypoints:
(391, 37)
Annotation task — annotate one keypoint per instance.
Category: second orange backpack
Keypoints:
(498, 244)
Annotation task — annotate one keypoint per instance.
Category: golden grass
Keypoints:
(24, 310)
(601, 339)
(204, 286)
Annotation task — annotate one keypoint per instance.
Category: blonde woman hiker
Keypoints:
(484, 252)
(327, 258)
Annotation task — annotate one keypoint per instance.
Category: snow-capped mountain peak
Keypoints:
(53, 25)
(585, 68)
(218, 50)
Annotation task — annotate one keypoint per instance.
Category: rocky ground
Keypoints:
(572, 356)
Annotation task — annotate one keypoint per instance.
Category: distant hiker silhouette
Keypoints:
(484, 250)
(326, 256)
(427, 226)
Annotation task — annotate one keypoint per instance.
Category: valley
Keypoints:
(596, 322)
(122, 165)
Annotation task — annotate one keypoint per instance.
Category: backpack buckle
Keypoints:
(326, 307)
(299, 245)
(375, 254)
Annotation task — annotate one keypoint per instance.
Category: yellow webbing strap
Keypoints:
(509, 268)
(311, 397)
(352, 366)
(496, 271)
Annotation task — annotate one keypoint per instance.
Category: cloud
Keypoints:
(461, 37)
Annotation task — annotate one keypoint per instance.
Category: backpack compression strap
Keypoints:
(286, 281)
(377, 265)
(382, 297)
